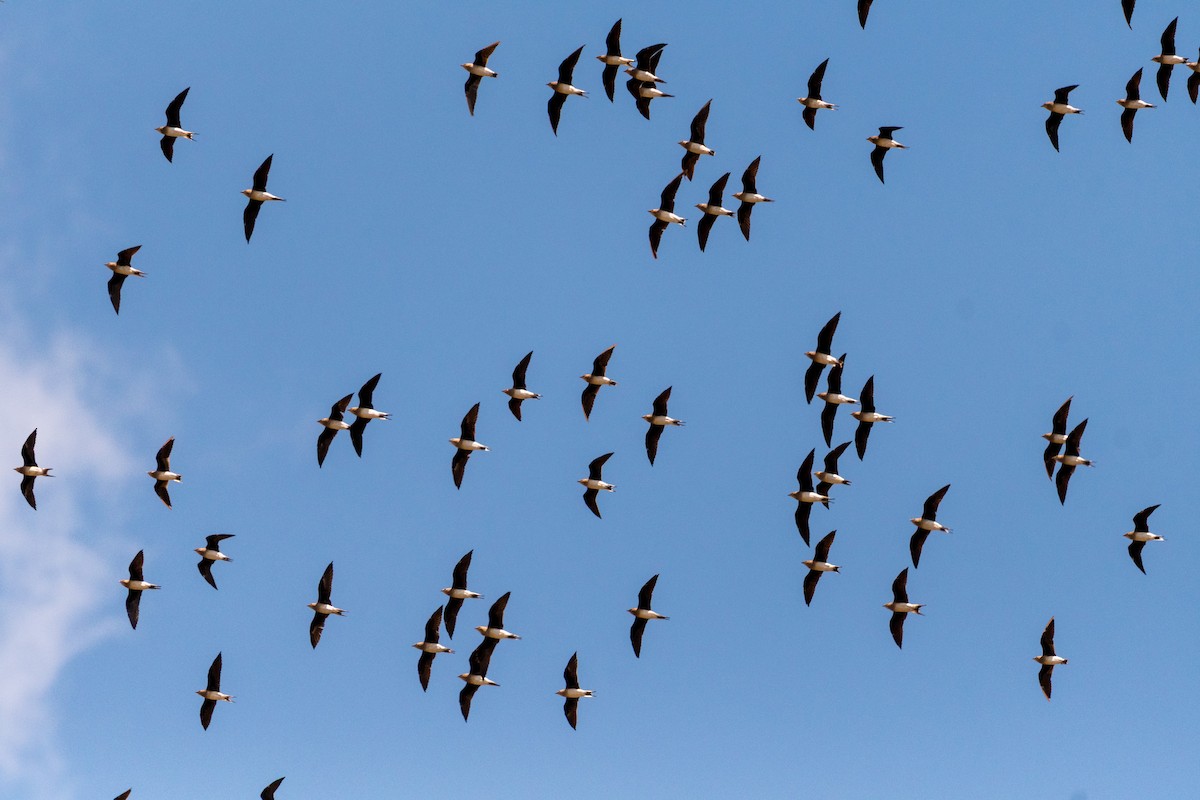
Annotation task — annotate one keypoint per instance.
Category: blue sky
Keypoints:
(990, 279)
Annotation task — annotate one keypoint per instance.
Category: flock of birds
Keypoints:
(1062, 452)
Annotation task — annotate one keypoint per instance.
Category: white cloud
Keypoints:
(54, 578)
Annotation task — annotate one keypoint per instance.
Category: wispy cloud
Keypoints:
(53, 577)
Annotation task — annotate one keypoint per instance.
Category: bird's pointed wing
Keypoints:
(1060, 95)
(635, 635)
(814, 80)
(131, 607)
(167, 144)
(1133, 89)
(1141, 520)
(1163, 79)
(259, 184)
(249, 216)
(518, 375)
(825, 337)
(1059, 422)
(803, 511)
(1047, 640)
(613, 41)
(866, 398)
(1135, 552)
(900, 587)
(828, 414)
(1052, 123)
(660, 403)
(571, 710)
(596, 467)
(609, 76)
(687, 166)
(174, 107)
(810, 585)
(812, 376)
(1061, 480)
(460, 571)
(356, 433)
(269, 792)
(896, 625)
(450, 617)
(646, 593)
(125, 257)
(27, 491)
(135, 566)
(482, 56)
(433, 627)
(1048, 455)
(458, 466)
(1127, 123)
(877, 161)
(468, 423)
(28, 457)
(750, 177)
(809, 115)
(861, 434)
(567, 68)
(589, 499)
(831, 458)
(160, 489)
(743, 217)
(929, 510)
(114, 290)
(590, 391)
(571, 673)
(822, 551)
(1044, 679)
(424, 668)
(325, 586)
(804, 474)
(667, 198)
(471, 90)
(205, 567)
(324, 439)
(163, 457)
(214, 674)
(652, 436)
(496, 612)
(915, 545)
(699, 122)
(702, 230)
(366, 394)
(316, 628)
(206, 712)
(864, 8)
(1168, 38)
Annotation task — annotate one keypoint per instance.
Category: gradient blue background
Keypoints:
(987, 281)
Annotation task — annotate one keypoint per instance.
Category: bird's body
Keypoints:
(901, 607)
(1132, 103)
(806, 495)
(1140, 535)
(212, 693)
(29, 469)
(883, 143)
(256, 195)
(430, 647)
(572, 692)
(749, 196)
(813, 102)
(174, 128)
(1048, 659)
(336, 421)
(926, 523)
(136, 583)
(1058, 108)
(211, 553)
(817, 565)
(478, 70)
(323, 607)
(519, 392)
(122, 268)
(643, 614)
(694, 144)
(867, 416)
(595, 379)
(465, 444)
(457, 592)
(162, 473)
(495, 627)
(594, 483)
